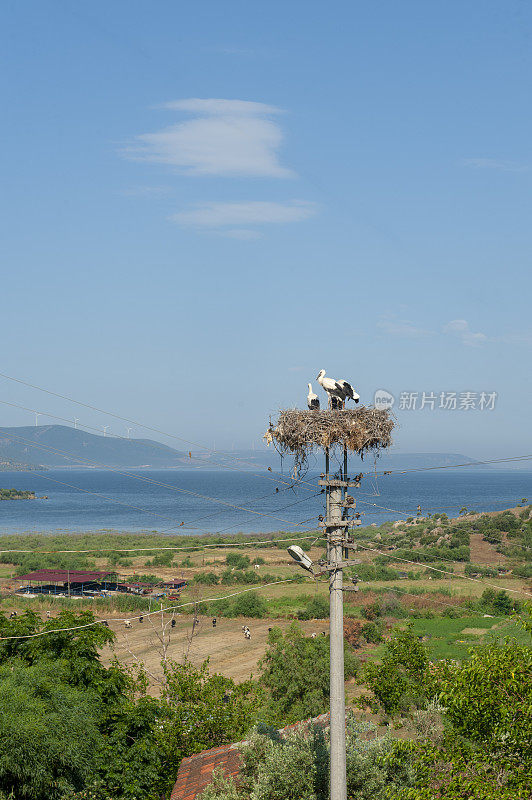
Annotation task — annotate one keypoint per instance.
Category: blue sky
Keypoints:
(204, 204)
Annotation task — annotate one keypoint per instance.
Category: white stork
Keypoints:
(332, 387)
(313, 401)
(348, 392)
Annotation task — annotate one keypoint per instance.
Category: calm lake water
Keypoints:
(98, 500)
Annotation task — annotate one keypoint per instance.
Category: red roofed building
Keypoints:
(195, 772)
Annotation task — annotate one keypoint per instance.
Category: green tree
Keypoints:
(237, 560)
(401, 679)
(296, 674)
(250, 604)
(317, 608)
(48, 732)
(199, 711)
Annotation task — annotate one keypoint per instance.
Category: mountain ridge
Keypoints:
(46, 446)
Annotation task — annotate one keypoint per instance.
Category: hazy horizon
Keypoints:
(202, 209)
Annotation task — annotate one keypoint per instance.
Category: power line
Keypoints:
(220, 464)
(118, 416)
(147, 480)
(243, 461)
(181, 525)
(455, 466)
(445, 572)
(218, 546)
(145, 614)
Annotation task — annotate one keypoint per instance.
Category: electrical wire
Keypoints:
(148, 480)
(151, 443)
(455, 466)
(180, 525)
(125, 419)
(445, 572)
(210, 450)
(219, 546)
(145, 614)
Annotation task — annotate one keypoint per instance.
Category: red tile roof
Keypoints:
(195, 772)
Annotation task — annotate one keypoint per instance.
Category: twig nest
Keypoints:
(360, 430)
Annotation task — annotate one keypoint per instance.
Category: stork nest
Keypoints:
(361, 430)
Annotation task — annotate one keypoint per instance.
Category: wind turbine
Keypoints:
(129, 432)
(37, 415)
(76, 420)
(105, 428)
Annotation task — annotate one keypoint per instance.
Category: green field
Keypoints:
(453, 638)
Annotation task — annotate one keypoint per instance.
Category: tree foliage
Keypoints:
(296, 674)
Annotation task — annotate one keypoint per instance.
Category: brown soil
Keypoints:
(484, 553)
(225, 646)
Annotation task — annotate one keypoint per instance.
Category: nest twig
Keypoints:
(360, 430)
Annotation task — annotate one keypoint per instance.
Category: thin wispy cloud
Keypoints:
(461, 329)
(402, 328)
(495, 164)
(219, 215)
(235, 138)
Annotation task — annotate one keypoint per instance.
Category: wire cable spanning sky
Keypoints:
(204, 195)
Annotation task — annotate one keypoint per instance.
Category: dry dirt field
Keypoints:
(229, 652)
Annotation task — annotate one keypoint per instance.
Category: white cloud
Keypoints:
(254, 212)
(461, 329)
(225, 137)
(402, 328)
(493, 163)
(214, 105)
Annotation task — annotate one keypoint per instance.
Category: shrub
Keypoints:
(161, 560)
(206, 578)
(499, 602)
(400, 681)
(237, 560)
(296, 674)
(317, 608)
(372, 632)
(372, 611)
(250, 604)
(221, 787)
(296, 767)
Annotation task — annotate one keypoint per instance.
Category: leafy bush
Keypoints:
(161, 560)
(400, 680)
(296, 674)
(499, 602)
(237, 560)
(317, 608)
(372, 632)
(296, 766)
(372, 611)
(250, 604)
(206, 578)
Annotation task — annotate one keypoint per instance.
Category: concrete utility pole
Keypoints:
(336, 537)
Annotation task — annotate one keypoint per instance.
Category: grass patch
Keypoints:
(447, 638)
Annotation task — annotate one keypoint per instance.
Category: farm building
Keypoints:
(82, 583)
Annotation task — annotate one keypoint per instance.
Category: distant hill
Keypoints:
(61, 446)
(32, 447)
(263, 457)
